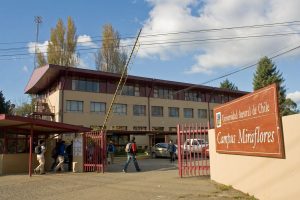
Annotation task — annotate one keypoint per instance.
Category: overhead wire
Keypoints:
(172, 42)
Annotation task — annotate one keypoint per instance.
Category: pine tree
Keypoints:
(266, 74)
(226, 84)
(5, 106)
(62, 46)
(110, 57)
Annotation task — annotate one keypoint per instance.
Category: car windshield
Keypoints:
(163, 145)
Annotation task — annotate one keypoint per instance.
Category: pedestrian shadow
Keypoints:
(158, 164)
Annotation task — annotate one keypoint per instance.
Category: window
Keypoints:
(82, 84)
(139, 110)
(157, 111)
(163, 93)
(157, 128)
(120, 109)
(173, 112)
(99, 107)
(173, 129)
(202, 113)
(137, 90)
(74, 106)
(192, 96)
(128, 90)
(121, 128)
(139, 128)
(188, 112)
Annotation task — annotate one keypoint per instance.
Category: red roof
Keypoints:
(38, 125)
(43, 77)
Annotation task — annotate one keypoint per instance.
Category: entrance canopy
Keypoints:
(15, 125)
(38, 126)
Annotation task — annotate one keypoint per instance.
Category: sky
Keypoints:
(192, 41)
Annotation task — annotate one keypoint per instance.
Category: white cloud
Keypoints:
(42, 47)
(85, 40)
(176, 15)
(25, 68)
(295, 96)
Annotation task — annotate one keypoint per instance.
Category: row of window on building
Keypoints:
(88, 85)
(138, 110)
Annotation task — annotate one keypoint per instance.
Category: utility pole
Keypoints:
(121, 83)
(38, 21)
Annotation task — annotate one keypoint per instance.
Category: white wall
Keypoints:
(265, 178)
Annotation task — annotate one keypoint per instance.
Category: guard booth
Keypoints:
(19, 136)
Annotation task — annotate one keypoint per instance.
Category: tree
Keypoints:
(25, 109)
(290, 107)
(266, 74)
(5, 106)
(62, 46)
(110, 57)
(226, 84)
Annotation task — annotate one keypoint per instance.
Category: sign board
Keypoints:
(77, 146)
(250, 125)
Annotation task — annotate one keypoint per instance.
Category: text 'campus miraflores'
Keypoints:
(245, 136)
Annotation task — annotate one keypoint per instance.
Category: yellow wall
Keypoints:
(54, 100)
(87, 118)
(265, 178)
(16, 163)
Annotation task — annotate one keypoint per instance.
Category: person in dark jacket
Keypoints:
(171, 149)
(60, 156)
(54, 156)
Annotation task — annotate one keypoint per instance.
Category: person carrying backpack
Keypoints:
(131, 150)
(110, 152)
(40, 152)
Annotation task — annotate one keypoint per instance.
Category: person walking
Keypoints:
(110, 152)
(69, 151)
(131, 150)
(40, 151)
(60, 156)
(171, 149)
(54, 156)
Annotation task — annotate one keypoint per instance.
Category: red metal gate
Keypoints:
(94, 157)
(193, 154)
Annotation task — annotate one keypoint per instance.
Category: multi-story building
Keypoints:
(146, 107)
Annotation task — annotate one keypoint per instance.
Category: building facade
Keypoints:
(145, 107)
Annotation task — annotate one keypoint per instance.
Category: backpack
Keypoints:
(110, 148)
(38, 149)
(133, 148)
(128, 147)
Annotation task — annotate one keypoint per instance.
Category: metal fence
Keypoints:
(193, 150)
(94, 158)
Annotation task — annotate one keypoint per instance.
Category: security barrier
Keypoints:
(193, 150)
(94, 151)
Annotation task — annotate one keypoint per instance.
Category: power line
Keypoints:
(237, 71)
(255, 26)
(172, 42)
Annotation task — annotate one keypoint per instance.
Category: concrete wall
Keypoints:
(265, 178)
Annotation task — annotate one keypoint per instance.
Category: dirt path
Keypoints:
(158, 180)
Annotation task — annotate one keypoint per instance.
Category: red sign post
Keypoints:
(250, 125)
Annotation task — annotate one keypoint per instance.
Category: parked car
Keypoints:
(160, 150)
(195, 145)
